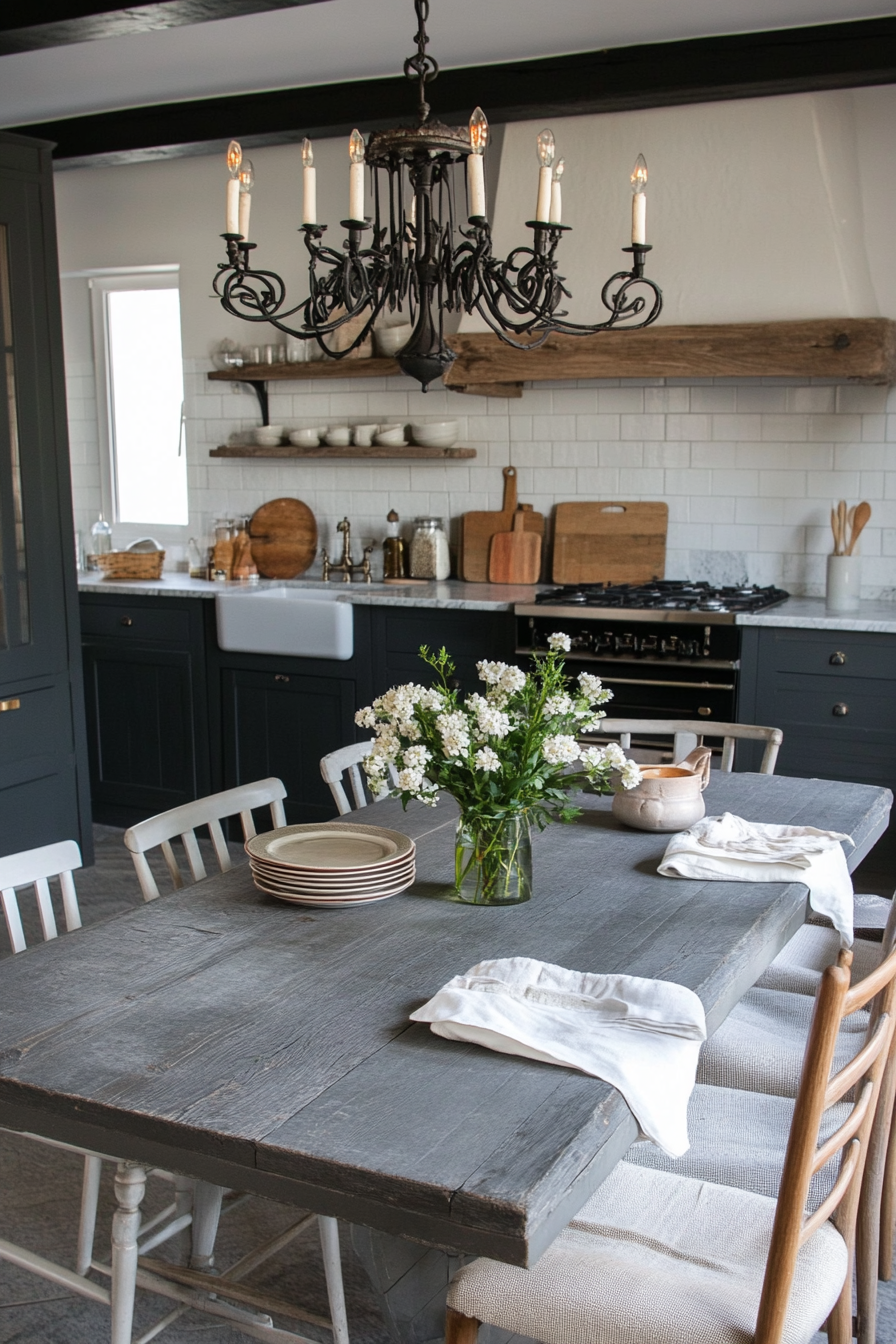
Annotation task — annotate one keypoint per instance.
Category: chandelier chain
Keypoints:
(421, 67)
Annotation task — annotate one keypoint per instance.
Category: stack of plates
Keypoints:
(338, 864)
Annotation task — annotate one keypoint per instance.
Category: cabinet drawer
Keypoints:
(840, 653)
(136, 622)
(39, 727)
(843, 705)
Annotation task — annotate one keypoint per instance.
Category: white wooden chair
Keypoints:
(159, 831)
(661, 1256)
(208, 1199)
(34, 868)
(689, 733)
(347, 760)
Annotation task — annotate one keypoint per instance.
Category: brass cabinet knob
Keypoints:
(840, 710)
(704, 711)
(837, 659)
(6, 705)
(127, 620)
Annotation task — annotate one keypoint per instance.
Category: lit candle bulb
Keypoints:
(309, 184)
(356, 176)
(232, 214)
(475, 166)
(247, 177)
(639, 201)
(545, 151)
(556, 198)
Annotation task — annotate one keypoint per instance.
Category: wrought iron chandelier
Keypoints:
(421, 260)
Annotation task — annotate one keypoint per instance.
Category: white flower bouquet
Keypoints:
(506, 756)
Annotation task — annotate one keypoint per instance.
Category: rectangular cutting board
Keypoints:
(609, 542)
(477, 530)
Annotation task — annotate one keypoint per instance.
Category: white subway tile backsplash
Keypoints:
(749, 468)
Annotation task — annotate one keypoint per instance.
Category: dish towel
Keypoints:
(729, 849)
(643, 1036)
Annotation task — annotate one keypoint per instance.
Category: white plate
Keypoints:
(390, 865)
(317, 903)
(332, 847)
(338, 892)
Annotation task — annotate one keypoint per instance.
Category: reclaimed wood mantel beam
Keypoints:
(852, 349)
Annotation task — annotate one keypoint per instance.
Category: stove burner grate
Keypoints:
(665, 595)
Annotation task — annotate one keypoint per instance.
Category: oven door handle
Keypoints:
(687, 685)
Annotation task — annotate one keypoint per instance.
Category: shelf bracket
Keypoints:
(260, 388)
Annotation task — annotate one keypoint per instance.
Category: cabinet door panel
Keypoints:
(140, 721)
(834, 704)
(469, 636)
(278, 724)
(811, 651)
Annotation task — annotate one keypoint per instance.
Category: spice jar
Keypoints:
(430, 558)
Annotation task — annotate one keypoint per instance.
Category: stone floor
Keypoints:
(41, 1192)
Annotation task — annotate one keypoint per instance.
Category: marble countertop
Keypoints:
(452, 594)
(810, 613)
(801, 613)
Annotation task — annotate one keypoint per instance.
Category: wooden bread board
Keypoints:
(284, 538)
(515, 557)
(478, 528)
(612, 542)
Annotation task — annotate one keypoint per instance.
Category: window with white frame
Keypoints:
(139, 362)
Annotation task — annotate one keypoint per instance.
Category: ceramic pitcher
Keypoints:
(669, 797)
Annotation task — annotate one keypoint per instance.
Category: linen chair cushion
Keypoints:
(739, 1139)
(760, 1045)
(797, 968)
(655, 1258)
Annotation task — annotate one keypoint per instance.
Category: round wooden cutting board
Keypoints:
(284, 538)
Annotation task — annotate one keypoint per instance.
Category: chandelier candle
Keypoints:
(247, 177)
(232, 217)
(545, 151)
(422, 259)
(639, 202)
(309, 184)
(356, 177)
(475, 165)
(556, 198)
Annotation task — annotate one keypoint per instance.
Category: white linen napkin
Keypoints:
(729, 849)
(643, 1036)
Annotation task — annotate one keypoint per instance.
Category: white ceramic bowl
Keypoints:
(389, 340)
(305, 438)
(268, 434)
(390, 434)
(436, 434)
(362, 435)
(338, 436)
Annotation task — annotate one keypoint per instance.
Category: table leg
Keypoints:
(130, 1186)
(206, 1214)
(411, 1283)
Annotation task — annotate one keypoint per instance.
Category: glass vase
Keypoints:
(493, 860)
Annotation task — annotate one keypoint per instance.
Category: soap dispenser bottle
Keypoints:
(394, 551)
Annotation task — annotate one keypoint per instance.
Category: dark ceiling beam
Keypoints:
(752, 65)
(56, 23)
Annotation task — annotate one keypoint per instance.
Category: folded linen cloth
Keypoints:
(730, 849)
(643, 1036)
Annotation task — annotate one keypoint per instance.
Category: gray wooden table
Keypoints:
(258, 1045)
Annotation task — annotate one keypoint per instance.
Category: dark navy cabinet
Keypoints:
(43, 786)
(145, 679)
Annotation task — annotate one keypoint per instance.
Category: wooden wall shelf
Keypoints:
(860, 350)
(286, 450)
(852, 349)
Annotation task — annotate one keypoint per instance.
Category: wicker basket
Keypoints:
(131, 564)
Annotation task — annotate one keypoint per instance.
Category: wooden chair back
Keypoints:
(347, 761)
(182, 821)
(689, 733)
(860, 1081)
(32, 867)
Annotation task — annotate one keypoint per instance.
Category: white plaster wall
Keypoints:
(762, 209)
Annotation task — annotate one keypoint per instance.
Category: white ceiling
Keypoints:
(359, 39)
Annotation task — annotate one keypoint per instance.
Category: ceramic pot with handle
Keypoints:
(669, 797)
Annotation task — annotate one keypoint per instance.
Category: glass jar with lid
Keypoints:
(430, 558)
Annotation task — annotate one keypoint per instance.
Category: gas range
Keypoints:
(666, 649)
(659, 600)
